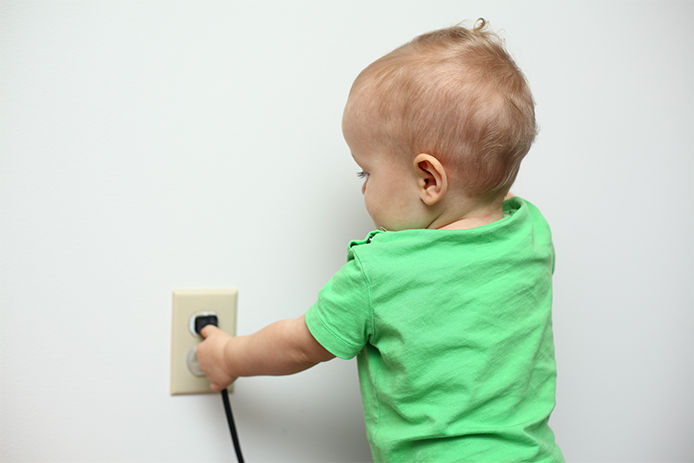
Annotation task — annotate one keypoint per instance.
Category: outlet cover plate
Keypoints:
(186, 304)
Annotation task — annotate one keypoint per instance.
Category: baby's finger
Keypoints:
(207, 330)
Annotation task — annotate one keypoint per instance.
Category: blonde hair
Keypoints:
(454, 93)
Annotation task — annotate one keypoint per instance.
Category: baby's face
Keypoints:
(390, 187)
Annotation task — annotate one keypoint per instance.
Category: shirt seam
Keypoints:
(375, 392)
(368, 292)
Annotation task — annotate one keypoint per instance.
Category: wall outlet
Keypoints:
(186, 376)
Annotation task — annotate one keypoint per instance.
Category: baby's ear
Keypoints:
(432, 182)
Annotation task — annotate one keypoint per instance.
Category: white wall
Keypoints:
(147, 146)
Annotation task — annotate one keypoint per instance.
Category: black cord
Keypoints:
(232, 426)
(201, 321)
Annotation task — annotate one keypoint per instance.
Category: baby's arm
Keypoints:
(282, 348)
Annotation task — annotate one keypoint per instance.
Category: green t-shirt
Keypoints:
(453, 332)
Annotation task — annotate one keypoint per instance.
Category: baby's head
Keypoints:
(443, 122)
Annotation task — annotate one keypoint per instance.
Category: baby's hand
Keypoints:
(212, 357)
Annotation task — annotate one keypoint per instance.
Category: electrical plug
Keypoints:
(203, 320)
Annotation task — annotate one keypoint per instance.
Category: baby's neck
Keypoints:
(471, 222)
(469, 219)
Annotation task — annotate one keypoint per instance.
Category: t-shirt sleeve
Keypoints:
(341, 319)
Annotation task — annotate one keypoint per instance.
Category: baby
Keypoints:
(448, 304)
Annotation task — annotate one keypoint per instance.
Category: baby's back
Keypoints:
(460, 362)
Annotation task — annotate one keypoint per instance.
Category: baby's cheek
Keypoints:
(370, 208)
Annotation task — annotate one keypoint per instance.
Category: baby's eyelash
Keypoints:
(362, 174)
